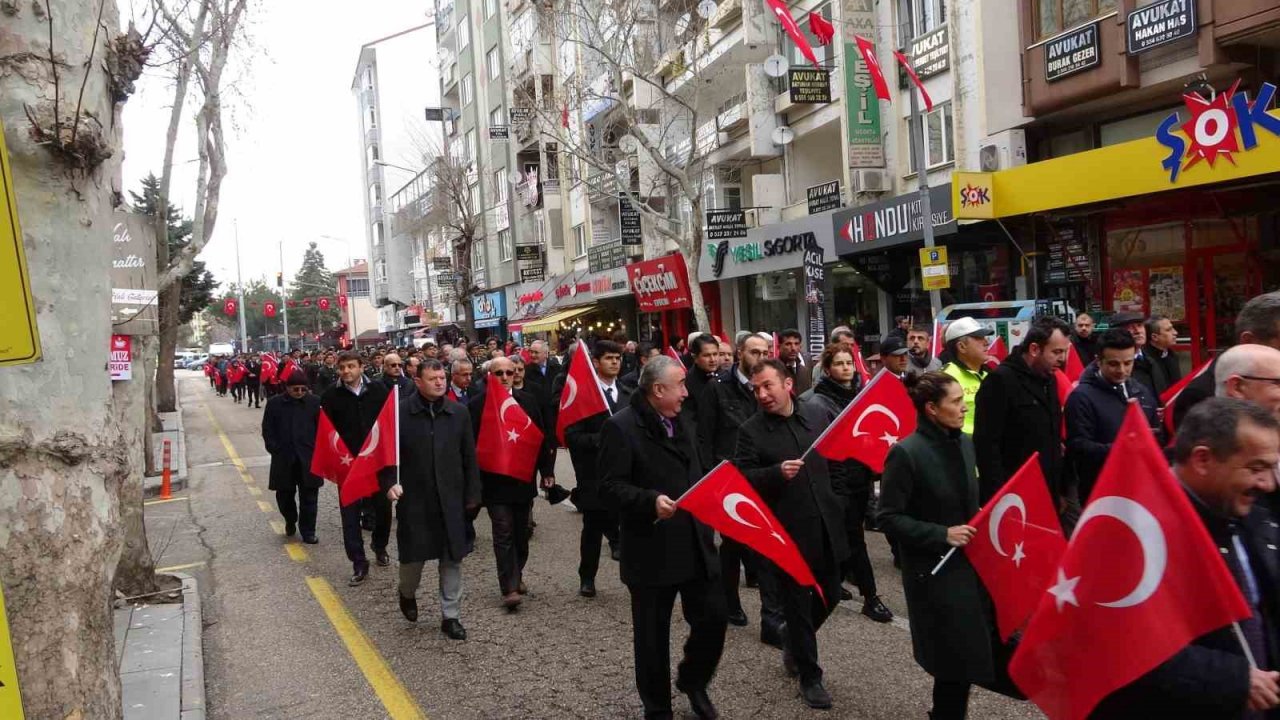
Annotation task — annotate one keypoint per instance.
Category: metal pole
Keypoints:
(284, 304)
(244, 340)
(922, 174)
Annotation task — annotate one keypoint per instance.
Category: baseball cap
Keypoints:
(965, 327)
(893, 345)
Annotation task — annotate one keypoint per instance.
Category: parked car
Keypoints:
(196, 362)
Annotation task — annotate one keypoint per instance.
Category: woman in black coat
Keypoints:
(927, 496)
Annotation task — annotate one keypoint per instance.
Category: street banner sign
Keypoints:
(120, 364)
(19, 334)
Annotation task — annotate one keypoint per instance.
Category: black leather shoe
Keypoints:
(615, 552)
(771, 635)
(701, 704)
(453, 629)
(409, 608)
(290, 528)
(845, 595)
(382, 558)
(358, 577)
(789, 664)
(310, 539)
(738, 618)
(816, 696)
(876, 610)
(588, 588)
(751, 581)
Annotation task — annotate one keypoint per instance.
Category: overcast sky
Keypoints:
(293, 156)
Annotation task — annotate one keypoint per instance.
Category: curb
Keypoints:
(193, 700)
(180, 475)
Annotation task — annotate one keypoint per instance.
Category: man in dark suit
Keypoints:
(705, 353)
(542, 367)
(583, 439)
(509, 499)
(289, 433)
(1225, 457)
(1257, 324)
(649, 457)
(805, 497)
(1166, 369)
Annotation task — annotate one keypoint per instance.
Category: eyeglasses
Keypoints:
(1273, 381)
(502, 373)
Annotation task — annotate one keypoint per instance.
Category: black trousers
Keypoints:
(251, 388)
(733, 554)
(806, 612)
(703, 604)
(596, 525)
(510, 543)
(303, 511)
(950, 699)
(352, 537)
(857, 569)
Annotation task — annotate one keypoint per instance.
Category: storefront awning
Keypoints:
(549, 322)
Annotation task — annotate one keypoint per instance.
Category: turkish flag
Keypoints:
(671, 352)
(906, 65)
(1133, 588)
(381, 448)
(288, 369)
(725, 501)
(858, 363)
(1169, 398)
(323, 303)
(821, 28)
(779, 8)
(268, 371)
(1075, 364)
(342, 301)
(331, 459)
(269, 309)
(509, 442)
(996, 352)
(1018, 545)
(525, 356)
(581, 397)
(868, 52)
(306, 302)
(877, 418)
(229, 307)
(935, 342)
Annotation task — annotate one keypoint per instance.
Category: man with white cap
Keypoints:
(967, 343)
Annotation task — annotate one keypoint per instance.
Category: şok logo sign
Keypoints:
(1219, 126)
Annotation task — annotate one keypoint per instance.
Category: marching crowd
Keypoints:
(671, 415)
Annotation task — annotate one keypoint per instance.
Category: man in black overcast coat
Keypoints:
(289, 433)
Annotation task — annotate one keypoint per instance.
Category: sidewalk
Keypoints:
(161, 659)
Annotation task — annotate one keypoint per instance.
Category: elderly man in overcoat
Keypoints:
(289, 433)
(437, 494)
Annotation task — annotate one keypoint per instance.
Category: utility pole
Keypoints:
(922, 173)
(284, 304)
(244, 340)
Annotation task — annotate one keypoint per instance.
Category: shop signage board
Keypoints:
(862, 108)
(532, 274)
(814, 279)
(1072, 52)
(660, 284)
(935, 274)
(895, 221)
(726, 224)
(1159, 23)
(134, 300)
(499, 132)
(629, 222)
(1068, 255)
(441, 263)
(608, 256)
(823, 197)
(120, 362)
(488, 309)
(776, 246)
(19, 334)
(520, 116)
(931, 53)
(809, 86)
(528, 253)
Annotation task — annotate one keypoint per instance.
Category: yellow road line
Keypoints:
(297, 552)
(265, 507)
(226, 441)
(253, 490)
(175, 568)
(278, 526)
(395, 698)
(169, 500)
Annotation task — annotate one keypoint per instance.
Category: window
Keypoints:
(380, 271)
(579, 241)
(1055, 16)
(938, 148)
(468, 90)
(371, 155)
(375, 194)
(464, 34)
(358, 287)
(469, 147)
(820, 51)
(477, 259)
(497, 118)
(499, 187)
(923, 16)
(505, 248)
(377, 234)
(473, 200)
(732, 197)
(492, 62)
(373, 119)
(490, 8)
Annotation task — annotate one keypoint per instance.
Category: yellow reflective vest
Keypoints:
(969, 381)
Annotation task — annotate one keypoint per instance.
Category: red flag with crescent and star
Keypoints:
(868, 52)
(323, 303)
(582, 397)
(821, 28)
(1018, 545)
(725, 501)
(779, 8)
(674, 355)
(1169, 399)
(229, 307)
(331, 459)
(342, 301)
(911, 73)
(996, 352)
(880, 416)
(509, 442)
(268, 309)
(1140, 579)
(859, 363)
(381, 449)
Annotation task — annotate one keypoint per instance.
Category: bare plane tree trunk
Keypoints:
(136, 571)
(62, 454)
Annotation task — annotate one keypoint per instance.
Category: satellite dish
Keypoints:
(783, 135)
(706, 9)
(627, 144)
(515, 177)
(776, 66)
(682, 24)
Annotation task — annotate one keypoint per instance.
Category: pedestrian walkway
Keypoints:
(160, 659)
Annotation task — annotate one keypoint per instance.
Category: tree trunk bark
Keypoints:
(692, 259)
(170, 299)
(63, 456)
(136, 571)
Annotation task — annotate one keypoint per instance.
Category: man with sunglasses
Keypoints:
(289, 433)
(393, 375)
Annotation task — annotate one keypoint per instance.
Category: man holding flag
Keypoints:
(803, 491)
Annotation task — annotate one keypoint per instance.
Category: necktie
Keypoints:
(671, 428)
(608, 391)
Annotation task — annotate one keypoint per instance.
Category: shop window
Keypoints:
(769, 300)
(937, 138)
(1055, 16)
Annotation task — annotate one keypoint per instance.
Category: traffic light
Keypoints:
(279, 279)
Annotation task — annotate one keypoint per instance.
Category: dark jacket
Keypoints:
(630, 381)
(638, 462)
(928, 486)
(696, 381)
(1144, 374)
(289, 432)
(1095, 411)
(801, 376)
(406, 385)
(504, 490)
(1209, 678)
(1017, 413)
(1200, 388)
(722, 409)
(583, 440)
(1087, 348)
(809, 505)
(353, 416)
(323, 378)
(1166, 371)
(440, 479)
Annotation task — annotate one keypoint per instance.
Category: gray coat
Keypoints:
(929, 485)
(440, 479)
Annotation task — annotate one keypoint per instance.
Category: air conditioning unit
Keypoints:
(752, 218)
(869, 181)
(1003, 150)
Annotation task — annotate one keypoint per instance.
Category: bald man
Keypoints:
(393, 375)
(1250, 372)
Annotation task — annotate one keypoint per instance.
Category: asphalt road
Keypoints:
(285, 637)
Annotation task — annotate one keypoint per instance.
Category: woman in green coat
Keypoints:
(928, 494)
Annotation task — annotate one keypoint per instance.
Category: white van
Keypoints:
(221, 349)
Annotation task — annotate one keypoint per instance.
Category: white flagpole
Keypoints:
(1244, 645)
(944, 560)
(395, 397)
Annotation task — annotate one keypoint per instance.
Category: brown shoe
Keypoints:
(512, 600)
